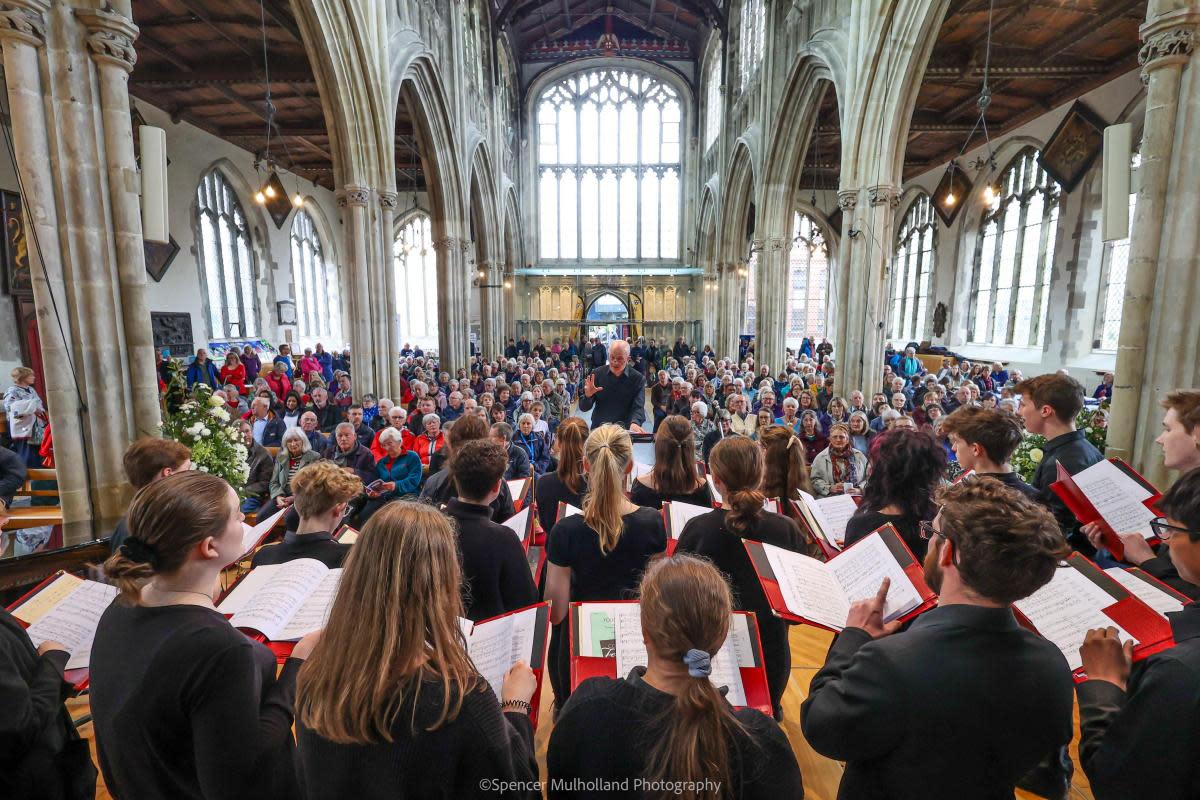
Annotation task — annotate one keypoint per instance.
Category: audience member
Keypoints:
(906, 469)
(295, 453)
(984, 440)
(145, 461)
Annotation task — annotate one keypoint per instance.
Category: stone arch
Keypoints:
(738, 203)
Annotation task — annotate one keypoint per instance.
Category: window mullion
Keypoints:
(997, 257)
(1040, 277)
(1018, 265)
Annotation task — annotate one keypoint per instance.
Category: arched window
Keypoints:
(415, 262)
(226, 260)
(318, 302)
(609, 167)
(1112, 281)
(750, 49)
(712, 98)
(808, 292)
(911, 270)
(1010, 284)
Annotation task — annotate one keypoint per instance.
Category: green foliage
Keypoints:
(1029, 454)
(204, 424)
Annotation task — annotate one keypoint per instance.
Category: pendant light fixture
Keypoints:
(272, 195)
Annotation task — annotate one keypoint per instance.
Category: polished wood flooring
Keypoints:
(821, 775)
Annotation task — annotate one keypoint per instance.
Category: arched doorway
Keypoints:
(607, 319)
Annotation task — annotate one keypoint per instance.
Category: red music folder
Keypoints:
(1080, 597)
(536, 555)
(65, 608)
(346, 535)
(495, 644)
(519, 489)
(613, 630)
(676, 515)
(803, 589)
(1109, 494)
(1150, 590)
(824, 519)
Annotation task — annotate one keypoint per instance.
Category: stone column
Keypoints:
(1157, 347)
(110, 40)
(709, 309)
(354, 200)
(772, 295)
(731, 306)
(862, 287)
(454, 306)
(490, 310)
(387, 309)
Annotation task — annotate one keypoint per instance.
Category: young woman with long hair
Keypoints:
(567, 482)
(674, 476)
(601, 553)
(390, 705)
(666, 722)
(785, 469)
(167, 668)
(906, 469)
(737, 471)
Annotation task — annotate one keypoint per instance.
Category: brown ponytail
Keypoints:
(166, 520)
(738, 463)
(675, 457)
(785, 469)
(685, 606)
(569, 438)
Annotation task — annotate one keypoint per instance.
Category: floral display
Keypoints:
(204, 424)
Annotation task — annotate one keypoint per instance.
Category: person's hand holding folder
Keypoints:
(1105, 658)
(1137, 549)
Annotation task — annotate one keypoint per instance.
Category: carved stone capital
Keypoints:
(448, 244)
(1165, 46)
(389, 200)
(776, 244)
(353, 196)
(110, 37)
(23, 22)
(847, 199)
(885, 195)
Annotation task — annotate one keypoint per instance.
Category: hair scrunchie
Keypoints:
(137, 550)
(699, 663)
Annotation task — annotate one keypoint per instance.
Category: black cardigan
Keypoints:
(496, 577)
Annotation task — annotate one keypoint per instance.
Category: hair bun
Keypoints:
(139, 551)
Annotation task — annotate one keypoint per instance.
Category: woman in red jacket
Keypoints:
(234, 371)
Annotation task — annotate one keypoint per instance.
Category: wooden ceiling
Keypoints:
(1043, 53)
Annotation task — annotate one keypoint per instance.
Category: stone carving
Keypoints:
(939, 319)
(23, 25)
(110, 37)
(448, 244)
(1161, 47)
(777, 244)
(885, 195)
(353, 196)
(389, 200)
(847, 199)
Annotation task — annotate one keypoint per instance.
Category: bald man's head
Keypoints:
(618, 356)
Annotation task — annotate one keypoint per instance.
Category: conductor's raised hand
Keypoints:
(867, 614)
(589, 386)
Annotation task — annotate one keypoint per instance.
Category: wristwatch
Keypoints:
(516, 705)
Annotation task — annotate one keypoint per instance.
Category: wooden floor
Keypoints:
(821, 775)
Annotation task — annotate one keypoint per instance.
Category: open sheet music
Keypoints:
(1066, 608)
(495, 645)
(1118, 498)
(614, 630)
(67, 610)
(828, 516)
(1153, 593)
(677, 515)
(346, 535)
(253, 537)
(283, 601)
(822, 592)
(521, 524)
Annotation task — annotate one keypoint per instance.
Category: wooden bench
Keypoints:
(36, 516)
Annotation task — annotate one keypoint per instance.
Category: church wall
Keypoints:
(10, 344)
(1075, 284)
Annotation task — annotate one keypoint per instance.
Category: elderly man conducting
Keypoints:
(617, 392)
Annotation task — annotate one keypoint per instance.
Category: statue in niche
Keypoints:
(939, 319)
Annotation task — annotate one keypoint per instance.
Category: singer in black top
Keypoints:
(318, 545)
(321, 494)
(674, 475)
(567, 483)
(615, 393)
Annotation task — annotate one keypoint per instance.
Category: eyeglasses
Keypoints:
(927, 531)
(1164, 531)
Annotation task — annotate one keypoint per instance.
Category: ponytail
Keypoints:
(675, 457)
(785, 469)
(608, 451)
(686, 607)
(166, 519)
(570, 437)
(738, 463)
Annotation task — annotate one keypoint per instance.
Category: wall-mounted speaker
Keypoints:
(154, 183)
(1118, 150)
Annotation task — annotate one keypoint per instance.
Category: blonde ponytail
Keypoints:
(608, 452)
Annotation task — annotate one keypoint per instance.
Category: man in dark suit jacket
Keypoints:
(965, 702)
(617, 392)
(597, 355)
(12, 475)
(1139, 733)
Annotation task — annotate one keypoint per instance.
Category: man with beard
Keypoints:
(965, 702)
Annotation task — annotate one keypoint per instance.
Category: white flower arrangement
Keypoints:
(204, 425)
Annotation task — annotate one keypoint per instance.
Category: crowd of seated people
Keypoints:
(426, 472)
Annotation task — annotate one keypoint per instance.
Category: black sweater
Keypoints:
(456, 760)
(608, 728)
(496, 577)
(185, 706)
(643, 495)
(548, 492)
(320, 546)
(439, 488)
(865, 521)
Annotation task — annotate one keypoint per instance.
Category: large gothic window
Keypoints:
(609, 167)
(1112, 283)
(415, 262)
(1010, 283)
(712, 98)
(318, 304)
(750, 52)
(226, 260)
(808, 287)
(911, 270)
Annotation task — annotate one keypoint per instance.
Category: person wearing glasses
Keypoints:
(1138, 727)
(965, 693)
(1180, 441)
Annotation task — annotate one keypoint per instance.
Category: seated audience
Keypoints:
(995, 697)
(737, 471)
(13, 472)
(518, 457)
(567, 483)
(328, 415)
(295, 453)
(601, 553)
(364, 432)
(261, 464)
(321, 494)
(316, 440)
(533, 443)
(861, 433)
(398, 473)
(839, 468)
(233, 372)
(666, 721)
(702, 424)
(906, 469)
(415, 719)
(674, 475)
(496, 576)
(167, 667)
(145, 461)
(984, 440)
(347, 452)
